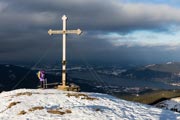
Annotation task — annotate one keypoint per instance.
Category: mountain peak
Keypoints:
(32, 104)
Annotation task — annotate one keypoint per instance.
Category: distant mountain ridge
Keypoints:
(168, 72)
(170, 67)
(11, 75)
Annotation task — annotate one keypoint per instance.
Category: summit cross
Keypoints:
(64, 32)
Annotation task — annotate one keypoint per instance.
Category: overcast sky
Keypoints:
(114, 31)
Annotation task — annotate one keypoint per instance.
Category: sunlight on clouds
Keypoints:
(168, 2)
(145, 38)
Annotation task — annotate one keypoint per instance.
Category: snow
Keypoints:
(171, 104)
(115, 72)
(75, 68)
(168, 63)
(175, 84)
(151, 65)
(99, 107)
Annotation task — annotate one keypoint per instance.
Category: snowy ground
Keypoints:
(37, 104)
(172, 104)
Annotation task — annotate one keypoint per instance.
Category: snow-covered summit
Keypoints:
(51, 104)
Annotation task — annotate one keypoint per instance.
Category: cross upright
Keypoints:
(64, 32)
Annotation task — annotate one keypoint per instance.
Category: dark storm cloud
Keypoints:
(91, 15)
(24, 25)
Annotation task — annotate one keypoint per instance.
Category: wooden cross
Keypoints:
(64, 32)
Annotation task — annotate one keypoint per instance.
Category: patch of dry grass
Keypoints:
(56, 112)
(83, 96)
(77, 95)
(90, 98)
(60, 112)
(22, 112)
(24, 93)
(36, 108)
(12, 104)
(31, 110)
(68, 111)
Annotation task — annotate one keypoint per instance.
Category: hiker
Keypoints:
(41, 76)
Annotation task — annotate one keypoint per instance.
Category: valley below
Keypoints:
(146, 84)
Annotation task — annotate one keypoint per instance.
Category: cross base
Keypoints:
(75, 88)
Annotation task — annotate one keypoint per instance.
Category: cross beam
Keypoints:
(51, 32)
(64, 32)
